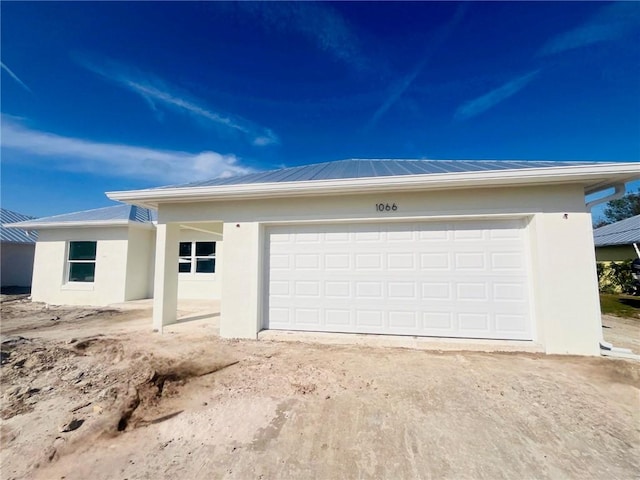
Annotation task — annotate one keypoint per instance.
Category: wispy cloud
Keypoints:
(494, 97)
(113, 159)
(319, 23)
(611, 22)
(405, 82)
(15, 77)
(156, 92)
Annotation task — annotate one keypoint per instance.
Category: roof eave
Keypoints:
(616, 244)
(78, 224)
(593, 177)
(14, 242)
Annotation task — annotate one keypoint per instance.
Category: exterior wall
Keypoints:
(565, 300)
(201, 285)
(241, 289)
(50, 267)
(125, 263)
(567, 305)
(16, 268)
(141, 251)
(615, 253)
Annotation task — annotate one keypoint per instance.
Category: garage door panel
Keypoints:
(511, 323)
(435, 261)
(335, 317)
(507, 261)
(403, 319)
(436, 235)
(309, 261)
(401, 261)
(454, 279)
(472, 291)
(279, 288)
(370, 318)
(368, 261)
(441, 290)
(307, 316)
(402, 290)
(470, 261)
(337, 261)
(437, 321)
(478, 322)
(337, 289)
(307, 289)
(373, 236)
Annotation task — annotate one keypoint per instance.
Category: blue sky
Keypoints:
(122, 95)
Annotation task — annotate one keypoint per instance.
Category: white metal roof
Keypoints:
(373, 168)
(8, 235)
(367, 176)
(116, 215)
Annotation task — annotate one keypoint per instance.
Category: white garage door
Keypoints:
(455, 279)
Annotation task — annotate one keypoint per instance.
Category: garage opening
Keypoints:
(464, 279)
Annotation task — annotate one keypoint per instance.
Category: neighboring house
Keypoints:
(106, 255)
(498, 250)
(16, 251)
(615, 242)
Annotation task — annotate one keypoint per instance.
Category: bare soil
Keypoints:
(94, 393)
(622, 332)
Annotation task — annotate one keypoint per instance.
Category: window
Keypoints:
(82, 261)
(197, 257)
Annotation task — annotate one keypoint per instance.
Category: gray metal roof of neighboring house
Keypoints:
(118, 213)
(11, 235)
(624, 232)
(360, 168)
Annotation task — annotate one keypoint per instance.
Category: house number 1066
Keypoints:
(385, 207)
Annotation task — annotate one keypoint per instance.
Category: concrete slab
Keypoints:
(398, 341)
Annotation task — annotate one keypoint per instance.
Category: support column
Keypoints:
(240, 302)
(165, 290)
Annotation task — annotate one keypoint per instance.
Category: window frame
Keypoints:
(192, 259)
(69, 262)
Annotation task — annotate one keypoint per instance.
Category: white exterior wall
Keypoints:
(564, 296)
(566, 283)
(141, 251)
(241, 289)
(201, 285)
(16, 268)
(50, 267)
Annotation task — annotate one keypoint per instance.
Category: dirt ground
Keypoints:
(94, 393)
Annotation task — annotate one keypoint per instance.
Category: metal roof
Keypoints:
(10, 235)
(360, 168)
(118, 213)
(624, 232)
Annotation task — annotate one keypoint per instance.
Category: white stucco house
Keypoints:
(498, 250)
(107, 255)
(17, 248)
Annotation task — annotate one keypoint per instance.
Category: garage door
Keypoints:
(455, 279)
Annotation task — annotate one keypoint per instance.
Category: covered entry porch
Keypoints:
(235, 271)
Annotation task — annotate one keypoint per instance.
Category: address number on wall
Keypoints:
(386, 207)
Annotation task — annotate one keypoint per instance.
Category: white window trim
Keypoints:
(78, 286)
(68, 284)
(193, 257)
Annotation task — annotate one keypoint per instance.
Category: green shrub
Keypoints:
(615, 277)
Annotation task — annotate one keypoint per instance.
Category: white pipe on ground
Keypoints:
(626, 356)
(609, 347)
